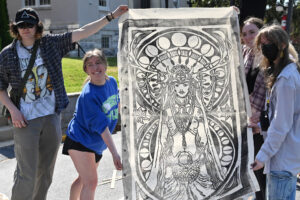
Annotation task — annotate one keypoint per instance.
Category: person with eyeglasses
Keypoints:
(36, 124)
(279, 153)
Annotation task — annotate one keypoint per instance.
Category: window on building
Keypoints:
(105, 41)
(102, 3)
(29, 2)
(45, 2)
(37, 2)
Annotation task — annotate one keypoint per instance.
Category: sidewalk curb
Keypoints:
(5, 144)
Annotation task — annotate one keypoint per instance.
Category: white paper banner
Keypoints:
(184, 105)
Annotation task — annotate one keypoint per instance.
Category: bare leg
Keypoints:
(85, 185)
(75, 189)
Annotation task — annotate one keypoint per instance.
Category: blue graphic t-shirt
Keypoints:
(96, 109)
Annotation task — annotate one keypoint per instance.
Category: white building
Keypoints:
(65, 15)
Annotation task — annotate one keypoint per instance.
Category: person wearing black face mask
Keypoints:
(282, 139)
(270, 51)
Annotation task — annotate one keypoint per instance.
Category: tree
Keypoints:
(295, 33)
(265, 9)
(215, 3)
(5, 38)
(272, 16)
(253, 8)
(247, 8)
(296, 19)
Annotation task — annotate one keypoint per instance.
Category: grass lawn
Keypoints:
(74, 75)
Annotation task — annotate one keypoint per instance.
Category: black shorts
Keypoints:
(70, 144)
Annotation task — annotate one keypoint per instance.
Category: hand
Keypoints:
(257, 165)
(120, 11)
(117, 161)
(236, 9)
(255, 118)
(255, 128)
(18, 119)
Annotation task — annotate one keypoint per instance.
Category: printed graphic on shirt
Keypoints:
(38, 98)
(111, 102)
(38, 84)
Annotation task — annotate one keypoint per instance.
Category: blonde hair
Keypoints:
(94, 53)
(276, 35)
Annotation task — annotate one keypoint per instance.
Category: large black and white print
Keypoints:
(184, 108)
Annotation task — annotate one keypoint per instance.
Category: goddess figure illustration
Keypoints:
(186, 157)
(184, 117)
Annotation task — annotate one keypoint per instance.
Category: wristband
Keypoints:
(108, 18)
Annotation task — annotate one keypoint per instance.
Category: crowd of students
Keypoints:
(272, 76)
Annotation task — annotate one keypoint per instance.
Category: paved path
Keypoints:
(65, 173)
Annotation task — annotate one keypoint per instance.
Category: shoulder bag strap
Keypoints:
(29, 67)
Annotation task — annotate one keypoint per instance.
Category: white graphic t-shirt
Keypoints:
(38, 95)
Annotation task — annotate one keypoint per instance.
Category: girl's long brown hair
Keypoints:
(276, 35)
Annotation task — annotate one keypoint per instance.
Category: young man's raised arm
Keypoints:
(93, 27)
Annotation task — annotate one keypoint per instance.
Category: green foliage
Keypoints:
(5, 38)
(112, 61)
(271, 15)
(214, 3)
(296, 20)
(74, 75)
(295, 36)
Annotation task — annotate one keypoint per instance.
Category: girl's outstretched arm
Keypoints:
(106, 136)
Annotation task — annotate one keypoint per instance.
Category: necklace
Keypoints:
(28, 49)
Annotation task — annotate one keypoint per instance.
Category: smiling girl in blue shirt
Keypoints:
(89, 132)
